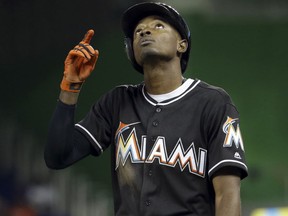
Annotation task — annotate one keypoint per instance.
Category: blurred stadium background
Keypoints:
(239, 45)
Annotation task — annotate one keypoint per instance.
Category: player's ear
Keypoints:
(182, 46)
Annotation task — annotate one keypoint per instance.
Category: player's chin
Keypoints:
(148, 56)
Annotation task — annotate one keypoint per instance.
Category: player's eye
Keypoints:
(159, 26)
(137, 31)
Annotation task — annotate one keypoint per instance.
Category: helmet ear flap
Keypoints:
(128, 48)
(130, 54)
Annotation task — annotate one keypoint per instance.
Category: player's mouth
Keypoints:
(146, 41)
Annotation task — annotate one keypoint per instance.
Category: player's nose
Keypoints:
(145, 32)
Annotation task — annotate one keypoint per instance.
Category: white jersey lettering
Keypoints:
(184, 158)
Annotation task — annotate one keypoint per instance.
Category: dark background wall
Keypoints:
(245, 54)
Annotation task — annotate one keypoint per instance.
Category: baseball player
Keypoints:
(176, 146)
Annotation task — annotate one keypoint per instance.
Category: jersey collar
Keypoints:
(175, 95)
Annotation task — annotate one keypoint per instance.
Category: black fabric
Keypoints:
(164, 155)
(65, 145)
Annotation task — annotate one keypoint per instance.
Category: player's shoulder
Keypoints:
(122, 90)
(118, 94)
(213, 92)
(127, 88)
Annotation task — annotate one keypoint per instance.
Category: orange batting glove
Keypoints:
(79, 64)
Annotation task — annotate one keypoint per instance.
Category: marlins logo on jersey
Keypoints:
(232, 135)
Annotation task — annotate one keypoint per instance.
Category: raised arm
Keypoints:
(65, 145)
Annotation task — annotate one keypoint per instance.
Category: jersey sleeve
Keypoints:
(225, 142)
(64, 145)
(96, 126)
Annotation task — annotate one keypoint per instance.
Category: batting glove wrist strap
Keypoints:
(70, 87)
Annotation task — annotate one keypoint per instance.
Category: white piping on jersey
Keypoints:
(176, 93)
(225, 161)
(97, 143)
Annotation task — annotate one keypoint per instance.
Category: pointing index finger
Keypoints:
(88, 36)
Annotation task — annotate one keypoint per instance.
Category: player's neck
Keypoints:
(162, 80)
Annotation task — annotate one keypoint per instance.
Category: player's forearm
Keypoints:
(65, 145)
(69, 98)
(60, 129)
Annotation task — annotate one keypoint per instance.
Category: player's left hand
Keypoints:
(79, 64)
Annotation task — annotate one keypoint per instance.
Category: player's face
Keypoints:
(155, 39)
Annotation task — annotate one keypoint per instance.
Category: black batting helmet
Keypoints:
(139, 11)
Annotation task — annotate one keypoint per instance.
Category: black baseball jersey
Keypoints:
(165, 148)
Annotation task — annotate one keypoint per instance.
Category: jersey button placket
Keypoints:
(158, 109)
(147, 202)
(155, 123)
(148, 178)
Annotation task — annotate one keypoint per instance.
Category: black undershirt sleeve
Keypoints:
(65, 145)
